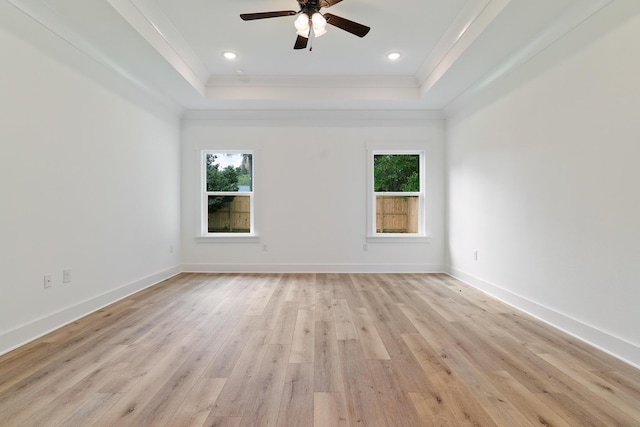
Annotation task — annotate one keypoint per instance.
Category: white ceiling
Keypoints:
(175, 48)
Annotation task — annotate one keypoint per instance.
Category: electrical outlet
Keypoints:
(47, 281)
(365, 247)
(475, 256)
(66, 275)
(170, 249)
(264, 248)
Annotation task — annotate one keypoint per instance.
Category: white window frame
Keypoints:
(393, 149)
(204, 211)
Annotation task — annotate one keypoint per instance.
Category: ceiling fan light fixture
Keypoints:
(319, 32)
(302, 25)
(319, 24)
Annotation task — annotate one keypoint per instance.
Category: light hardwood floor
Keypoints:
(313, 350)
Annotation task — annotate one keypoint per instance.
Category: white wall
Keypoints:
(310, 184)
(89, 181)
(544, 183)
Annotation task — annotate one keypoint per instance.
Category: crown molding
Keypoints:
(43, 14)
(392, 82)
(149, 21)
(571, 20)
(419, 117)
(470, 23)
(313, 88)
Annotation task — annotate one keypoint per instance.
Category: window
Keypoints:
(227, 200)
(397, 194)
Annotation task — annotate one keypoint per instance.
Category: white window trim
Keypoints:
(411, 147)
(204, 236)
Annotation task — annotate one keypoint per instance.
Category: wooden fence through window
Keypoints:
(396, 214)
(234, 218)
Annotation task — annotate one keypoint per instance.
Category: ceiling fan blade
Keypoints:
(349, 26)
(263, 15)
(328, 3)
(301, 42)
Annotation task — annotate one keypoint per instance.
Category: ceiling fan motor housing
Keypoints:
(310, 7)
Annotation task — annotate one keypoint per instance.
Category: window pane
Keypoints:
(396, 173)
(229, 214)
(397, 214)
(229, 172)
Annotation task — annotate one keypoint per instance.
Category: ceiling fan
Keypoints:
(310, 18)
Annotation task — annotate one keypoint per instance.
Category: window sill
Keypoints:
(398, 238)
(229, 238)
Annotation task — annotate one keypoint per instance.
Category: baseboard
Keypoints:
(17, 337)
(617, 347)
(313, 268)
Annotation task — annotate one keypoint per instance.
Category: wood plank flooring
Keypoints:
(313, 350)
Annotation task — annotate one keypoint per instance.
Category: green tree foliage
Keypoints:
(220, 180)
(396, 172)
(245, 171)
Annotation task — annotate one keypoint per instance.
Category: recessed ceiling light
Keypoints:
(393, 56)
(229, 55)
